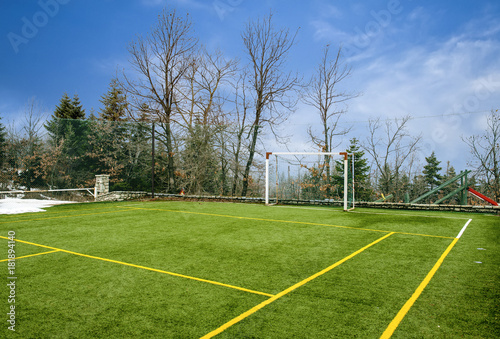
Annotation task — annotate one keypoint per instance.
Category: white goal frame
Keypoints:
(346, 160)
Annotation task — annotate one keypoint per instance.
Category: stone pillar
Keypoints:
(101, 184)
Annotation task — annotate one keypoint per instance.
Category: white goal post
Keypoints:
(348, 176)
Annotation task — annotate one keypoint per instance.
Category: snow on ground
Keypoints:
(16, 206)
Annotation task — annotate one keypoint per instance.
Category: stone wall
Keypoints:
(120, 196)
(430, 207)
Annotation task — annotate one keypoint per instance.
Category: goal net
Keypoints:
(323, 178)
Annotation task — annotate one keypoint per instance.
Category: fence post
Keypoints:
(101, 185)
(464, 182)
(153, 161)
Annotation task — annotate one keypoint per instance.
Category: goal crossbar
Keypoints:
(345, 163)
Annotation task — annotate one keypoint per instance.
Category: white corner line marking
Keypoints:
(463, 229)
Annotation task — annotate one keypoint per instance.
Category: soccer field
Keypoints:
(174, 269)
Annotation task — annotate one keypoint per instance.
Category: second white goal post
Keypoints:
(315, 177)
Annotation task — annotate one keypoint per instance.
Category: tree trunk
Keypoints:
(170, 159)
(250, 161)
(237, 161)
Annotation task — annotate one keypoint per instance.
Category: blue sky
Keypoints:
(437, 61)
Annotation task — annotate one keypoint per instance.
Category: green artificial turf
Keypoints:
(184, 269)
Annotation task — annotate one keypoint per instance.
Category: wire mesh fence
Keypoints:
(68, 153)
(312, 178)
(51, 159)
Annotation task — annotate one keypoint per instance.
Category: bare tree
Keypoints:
(202, 91)
(202, 117)
(26, 147)
(33, 122)
(324, 94)
(161, 60)
(267, 49)
(485, 150)
(390, 149)
(242, 106)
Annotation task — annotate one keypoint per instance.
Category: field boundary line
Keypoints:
(425, 235)
(289, 289)
(409, 303)
(285, 221)
(325, 209)
(147, 268)
(62, 217)
(410, 215)
(30, 255)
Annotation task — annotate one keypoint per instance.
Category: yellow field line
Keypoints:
(285, 221)
(409, 303)
(425, 235)
(328, 209)
(31, 255)
(411, 215)
(148, 268)
(288, 290)
(61, 217)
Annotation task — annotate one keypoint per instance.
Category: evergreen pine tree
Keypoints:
(431, 171)
(68, 129)
(431, 174)
(77, 112)
(404, 188)
(115, 103)
(65, 108)
(418, 186)
(61, 124)
(386, 180)
(362, 190)
(451, 173)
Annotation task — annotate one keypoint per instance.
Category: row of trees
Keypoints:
(73, 150)
(392, 168)
(68, 152)
(313, 183)
(210, 114)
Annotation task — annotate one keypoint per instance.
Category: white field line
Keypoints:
(409, 303)
(463, 229)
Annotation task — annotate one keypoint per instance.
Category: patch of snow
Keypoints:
(16, 206)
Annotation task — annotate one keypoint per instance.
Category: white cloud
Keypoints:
(459, 76)
(331, 11)
(324, 31)
(109, 66)
(446, 78)
(485, 27)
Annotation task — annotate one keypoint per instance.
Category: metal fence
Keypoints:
(68, 153)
